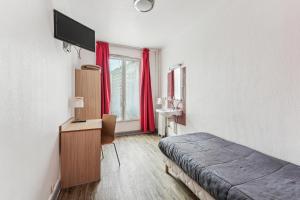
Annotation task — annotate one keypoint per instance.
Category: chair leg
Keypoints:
(116, 153)
(167, 170)
(102, 154)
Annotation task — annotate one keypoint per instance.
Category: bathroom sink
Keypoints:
(168, 112)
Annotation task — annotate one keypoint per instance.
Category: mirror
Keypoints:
(176, 91)
(177, 84)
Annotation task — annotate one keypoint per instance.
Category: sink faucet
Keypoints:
(173, 107)
(171, 100)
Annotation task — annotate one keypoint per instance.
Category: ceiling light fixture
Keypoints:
(143, 5)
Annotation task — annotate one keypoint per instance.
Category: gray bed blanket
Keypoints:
(231, 171)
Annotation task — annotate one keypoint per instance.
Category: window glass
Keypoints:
(125, 81)
(116, 87)
(132, 106)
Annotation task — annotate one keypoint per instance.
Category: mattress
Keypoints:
(231, 171)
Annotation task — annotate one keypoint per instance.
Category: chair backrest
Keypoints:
(108, 129)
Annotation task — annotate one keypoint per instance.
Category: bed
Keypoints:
(214, 168)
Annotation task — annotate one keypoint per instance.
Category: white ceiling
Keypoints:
(117, 21)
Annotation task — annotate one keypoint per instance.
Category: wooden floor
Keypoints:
(141, 175)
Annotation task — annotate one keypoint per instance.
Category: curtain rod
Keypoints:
(131, 47)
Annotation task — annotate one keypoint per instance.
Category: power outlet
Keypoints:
(52, 188)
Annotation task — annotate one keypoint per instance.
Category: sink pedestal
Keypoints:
(162, 125)
(163, 115)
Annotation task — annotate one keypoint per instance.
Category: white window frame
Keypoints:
(123, 88)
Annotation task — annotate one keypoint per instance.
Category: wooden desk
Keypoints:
(80, 151)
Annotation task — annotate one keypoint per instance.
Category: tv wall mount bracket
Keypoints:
(67, 47)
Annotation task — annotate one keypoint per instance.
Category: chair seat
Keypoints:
(107, 139)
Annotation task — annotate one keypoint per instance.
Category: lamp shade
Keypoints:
(77, 102)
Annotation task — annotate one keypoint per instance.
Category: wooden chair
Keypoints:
(108, 132)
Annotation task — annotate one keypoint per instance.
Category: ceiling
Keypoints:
(117, 21)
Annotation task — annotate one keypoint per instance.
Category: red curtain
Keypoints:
(146, 103)
(171, 84)
(102, 59)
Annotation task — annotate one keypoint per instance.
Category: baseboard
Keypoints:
(136, 132)
(128, 133)
(54, 195)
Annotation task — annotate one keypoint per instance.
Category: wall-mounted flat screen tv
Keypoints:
(73, 32)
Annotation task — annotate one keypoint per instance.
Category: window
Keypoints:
(125, 84)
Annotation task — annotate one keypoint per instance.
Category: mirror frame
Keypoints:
(171, 92)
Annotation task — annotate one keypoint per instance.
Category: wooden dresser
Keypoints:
(87, 85)
(80, 152)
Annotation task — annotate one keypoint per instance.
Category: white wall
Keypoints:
(89, 58)
(243, 74)
(36, 81)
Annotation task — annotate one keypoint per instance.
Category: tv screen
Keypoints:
(71, 31)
